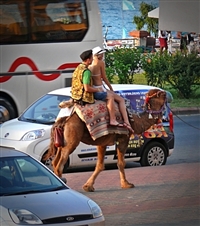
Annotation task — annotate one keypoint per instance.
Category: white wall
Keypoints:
(179, 15)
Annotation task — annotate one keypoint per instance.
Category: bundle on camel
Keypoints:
(76, 131)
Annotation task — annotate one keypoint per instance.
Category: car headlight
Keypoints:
(33, 135)
(96, 210)
(22, 216)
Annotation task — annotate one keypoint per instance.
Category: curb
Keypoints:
(185, 111)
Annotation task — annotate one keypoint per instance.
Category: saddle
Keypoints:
(96, 118)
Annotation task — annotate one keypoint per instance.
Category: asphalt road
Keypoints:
(187, 139)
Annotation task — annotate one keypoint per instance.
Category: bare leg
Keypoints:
(88, 186)
(122, 108)
(111, 108)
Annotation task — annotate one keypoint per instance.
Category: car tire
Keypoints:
(7, 111)
(48, 163)
(155, 154)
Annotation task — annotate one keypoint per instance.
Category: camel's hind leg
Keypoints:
(121, 150)
(88, 186)
(56, 160)
(73, 133)
(61, 158)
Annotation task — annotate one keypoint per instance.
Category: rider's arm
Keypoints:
(86, 82)
(103, 75)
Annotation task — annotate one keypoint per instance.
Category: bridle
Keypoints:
(149, 110)
(152, 113)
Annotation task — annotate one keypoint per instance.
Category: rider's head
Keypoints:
(98, 51)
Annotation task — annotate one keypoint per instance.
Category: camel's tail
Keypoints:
(52, 148)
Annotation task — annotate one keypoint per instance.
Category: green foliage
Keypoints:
(179, 71)
(124, 63)
(184, 73)
(155, 67)
(141, 21)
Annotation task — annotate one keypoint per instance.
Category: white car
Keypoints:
(30, 132)
(31, 194)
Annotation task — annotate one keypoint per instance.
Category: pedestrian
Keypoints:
(169, 42)
(99, 81)
(162, 36)
(183, 41)
(190, 43)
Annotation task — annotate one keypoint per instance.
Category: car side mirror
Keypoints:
(64, 180)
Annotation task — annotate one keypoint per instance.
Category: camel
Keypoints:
(75, 131)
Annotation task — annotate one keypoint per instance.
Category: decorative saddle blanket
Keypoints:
(96, 118)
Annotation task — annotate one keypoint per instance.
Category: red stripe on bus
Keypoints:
(31, 64)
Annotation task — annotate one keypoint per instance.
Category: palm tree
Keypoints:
(143, 20)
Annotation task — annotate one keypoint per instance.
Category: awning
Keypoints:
(178, 15)
(154, 13)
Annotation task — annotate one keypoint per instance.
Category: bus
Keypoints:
(40, 46)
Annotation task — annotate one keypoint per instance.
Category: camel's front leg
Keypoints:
(121, 149)
(88, 186)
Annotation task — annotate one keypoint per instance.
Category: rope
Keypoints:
(182, 119)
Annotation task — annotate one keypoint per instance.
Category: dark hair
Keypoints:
(86, 54)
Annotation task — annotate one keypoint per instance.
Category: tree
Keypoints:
(141, 21)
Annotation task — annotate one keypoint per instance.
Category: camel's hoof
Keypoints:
(128, 185)
(88, 188)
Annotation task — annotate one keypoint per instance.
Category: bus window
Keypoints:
(41, 42)
(13, 22)
(50, 21)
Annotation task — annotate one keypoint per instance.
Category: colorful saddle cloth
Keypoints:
(96, 118)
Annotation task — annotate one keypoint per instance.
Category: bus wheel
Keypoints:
(7, 111)
(155, 154)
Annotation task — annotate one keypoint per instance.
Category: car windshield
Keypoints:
(24, 175)
(44, 110)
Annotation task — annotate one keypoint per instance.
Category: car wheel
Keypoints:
(155, 154)
(7, 111)
(48, 163)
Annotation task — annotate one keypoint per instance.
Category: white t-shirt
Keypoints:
(163, 35)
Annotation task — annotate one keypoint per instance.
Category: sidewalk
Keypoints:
(185, 111)
(163, 196)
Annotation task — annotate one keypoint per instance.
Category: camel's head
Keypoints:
(155, 101)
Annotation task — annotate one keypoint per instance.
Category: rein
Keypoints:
(154, 112)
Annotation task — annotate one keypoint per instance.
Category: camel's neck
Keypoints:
(143, 121)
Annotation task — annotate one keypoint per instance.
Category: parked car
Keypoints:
(32, 195)
(31, 132)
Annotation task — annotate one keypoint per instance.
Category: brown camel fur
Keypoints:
(75, 131)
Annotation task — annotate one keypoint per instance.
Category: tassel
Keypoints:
(150, 116)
